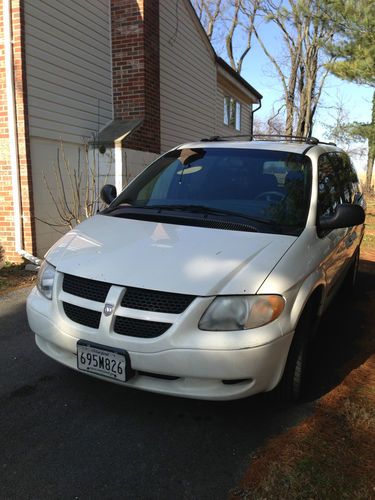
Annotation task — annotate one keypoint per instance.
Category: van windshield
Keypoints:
(269, 186)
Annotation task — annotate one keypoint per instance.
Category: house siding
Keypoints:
(187, 79)
(221, 128)
(69, 90)
(68, 65)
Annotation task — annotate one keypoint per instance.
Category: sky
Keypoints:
(261, 74)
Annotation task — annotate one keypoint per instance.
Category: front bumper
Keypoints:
(200, 371)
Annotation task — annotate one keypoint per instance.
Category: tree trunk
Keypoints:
(371, 148)
(370, 169)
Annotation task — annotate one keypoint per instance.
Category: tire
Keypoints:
(293, 382)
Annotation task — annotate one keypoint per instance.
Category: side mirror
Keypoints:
(346, 215)
(108, 193)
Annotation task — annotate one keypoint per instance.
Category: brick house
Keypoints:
(132, 78)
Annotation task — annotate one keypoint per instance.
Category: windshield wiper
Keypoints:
(209, 210)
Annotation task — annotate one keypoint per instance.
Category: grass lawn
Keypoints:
(368, 244)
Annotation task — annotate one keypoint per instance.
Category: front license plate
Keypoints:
(103, 360)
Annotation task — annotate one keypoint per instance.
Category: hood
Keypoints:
(175, 258)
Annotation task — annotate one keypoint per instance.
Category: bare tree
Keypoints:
(343, 132)
(198, 6)
(235, 19)
(73, 190)
(273, 125)
(209, 12)
(305, 30)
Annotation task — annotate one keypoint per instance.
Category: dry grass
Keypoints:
(14, 276)
(368, 244)
(328, 456)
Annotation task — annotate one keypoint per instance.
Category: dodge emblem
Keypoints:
(108, 309)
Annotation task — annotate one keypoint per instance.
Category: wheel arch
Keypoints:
(311, 294)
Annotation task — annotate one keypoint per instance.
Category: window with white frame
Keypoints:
(232, 112)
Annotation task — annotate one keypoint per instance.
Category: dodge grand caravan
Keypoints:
(206, 275)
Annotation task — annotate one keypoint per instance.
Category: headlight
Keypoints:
(46, 277)
(241, 312)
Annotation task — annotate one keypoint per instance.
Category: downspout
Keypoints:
(119, 166)
(252, 118)
(12, 128)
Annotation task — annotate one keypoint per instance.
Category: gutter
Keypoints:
(237, 76)
(13, 139)
(252, 118)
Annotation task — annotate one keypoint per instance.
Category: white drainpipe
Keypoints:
(12, 127)
(119, 167)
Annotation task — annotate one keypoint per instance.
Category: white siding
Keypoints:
(187, 79)
(68, 67)
(69, 87)
(224, 130)
(44, 155)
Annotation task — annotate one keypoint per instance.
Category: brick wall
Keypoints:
(135, 66)
(7, 239)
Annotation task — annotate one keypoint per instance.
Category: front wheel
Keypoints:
(293, 382)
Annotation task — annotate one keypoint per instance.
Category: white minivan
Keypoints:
(205, 277)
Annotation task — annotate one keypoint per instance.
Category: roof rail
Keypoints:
(291, 138)
(215, 138)
(218, 138)
(268, 137)
(328, 143)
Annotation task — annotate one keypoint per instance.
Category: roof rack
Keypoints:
(269, 137)
(291, 138)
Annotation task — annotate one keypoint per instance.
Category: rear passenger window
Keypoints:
(328, 189)
(343, 176)
(348, 178)
(356, 187)
(338, 182)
